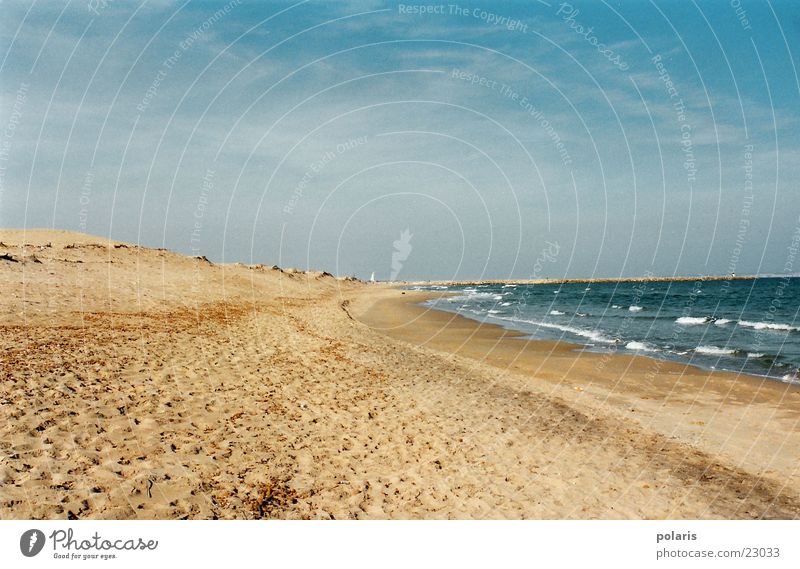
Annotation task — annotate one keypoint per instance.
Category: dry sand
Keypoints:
(138, 383)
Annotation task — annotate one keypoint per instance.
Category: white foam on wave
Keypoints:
(505, 304)
(722, 321)
(769, 326)
(590, 334)
(793, 378)
(640, 347)
(472, 294)
(692, 320)
(616, 306)
(635, 308)
(509, 286)
(556, 313)
(754, 355)
(714, 351)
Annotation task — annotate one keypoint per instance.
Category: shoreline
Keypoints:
(709, 409)
(618, 350)
(497, 332)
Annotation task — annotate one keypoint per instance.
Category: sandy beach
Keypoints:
(139, 383)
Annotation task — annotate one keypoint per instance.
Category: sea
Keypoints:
(743, 326)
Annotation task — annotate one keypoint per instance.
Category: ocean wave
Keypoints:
(484, 296)
(755, 355)
(473, 295)
(593, 335)
(616, 306)
(714, 351)
(556, 313)
(695, 320)
(692, 320)
(769, 326)
(793, 378)
(640, 347)
(505, 304)
(635, 308)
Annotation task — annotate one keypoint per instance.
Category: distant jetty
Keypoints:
(595, 280)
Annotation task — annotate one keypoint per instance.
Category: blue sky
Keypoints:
(511, 140)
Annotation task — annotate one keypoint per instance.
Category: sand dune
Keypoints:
(138, 383)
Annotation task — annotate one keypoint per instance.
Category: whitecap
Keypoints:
(473, 296)
(635, 308)
(692, 320)
(791, 378)
(768, 326)
(640, 347)
(722, 321)
(556, 313)
(714, 351)
(754, 355)
(591, 334)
